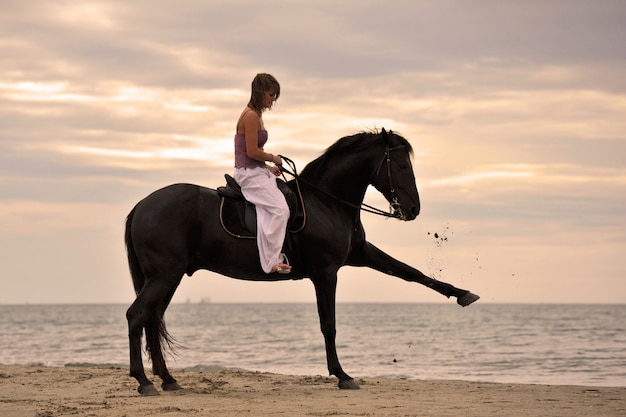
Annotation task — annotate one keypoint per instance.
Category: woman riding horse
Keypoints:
(176, 230)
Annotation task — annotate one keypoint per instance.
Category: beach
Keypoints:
(37, 391)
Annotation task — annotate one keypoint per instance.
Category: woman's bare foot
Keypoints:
(282, 268)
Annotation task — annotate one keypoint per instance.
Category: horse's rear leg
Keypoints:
(138, 316)
(158, 361)
(147, 313)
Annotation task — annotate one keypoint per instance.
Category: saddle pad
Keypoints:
(238, 217)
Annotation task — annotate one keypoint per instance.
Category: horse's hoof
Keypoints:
(467, 299)
(149, 389)
(172, 386)
(348, 384)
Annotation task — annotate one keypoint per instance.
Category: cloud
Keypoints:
(515, 110)
(484, 175)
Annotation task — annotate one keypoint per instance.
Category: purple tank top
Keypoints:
(242, 160)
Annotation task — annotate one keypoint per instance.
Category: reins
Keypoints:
(393, 206)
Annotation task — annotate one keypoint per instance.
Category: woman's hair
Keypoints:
(260, 85)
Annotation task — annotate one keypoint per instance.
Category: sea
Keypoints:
(519, 343)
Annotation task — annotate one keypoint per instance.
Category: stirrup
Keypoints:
(286, 262)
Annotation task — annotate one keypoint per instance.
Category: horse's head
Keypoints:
(393, 177)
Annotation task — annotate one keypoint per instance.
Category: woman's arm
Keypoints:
(252, 124)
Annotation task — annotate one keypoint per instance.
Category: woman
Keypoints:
(257, 178)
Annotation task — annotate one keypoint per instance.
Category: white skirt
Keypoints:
(258, 186)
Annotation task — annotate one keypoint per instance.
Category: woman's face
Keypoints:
(269, 97)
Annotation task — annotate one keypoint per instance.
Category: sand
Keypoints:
(82, 391)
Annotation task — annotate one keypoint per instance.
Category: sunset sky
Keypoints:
(516, 111)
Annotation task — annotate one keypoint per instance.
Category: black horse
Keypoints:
(177, 230)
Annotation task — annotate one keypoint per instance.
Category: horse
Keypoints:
(177, 230)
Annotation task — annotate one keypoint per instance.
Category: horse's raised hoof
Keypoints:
(172, 386)
(148, 390)
(467, 299)
(348, 384)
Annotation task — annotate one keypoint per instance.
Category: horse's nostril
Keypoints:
(415, 211)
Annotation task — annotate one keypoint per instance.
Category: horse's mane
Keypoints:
(354, 143)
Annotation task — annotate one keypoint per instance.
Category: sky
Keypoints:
(515, 111)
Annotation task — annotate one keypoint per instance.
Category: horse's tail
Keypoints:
(157, 338)
(133, 262)
(156, 332)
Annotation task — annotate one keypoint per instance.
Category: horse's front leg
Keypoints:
(325, 291)
(369, 255)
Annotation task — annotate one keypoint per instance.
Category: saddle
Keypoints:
(238, 216)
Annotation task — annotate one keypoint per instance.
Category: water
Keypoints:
(542, 344)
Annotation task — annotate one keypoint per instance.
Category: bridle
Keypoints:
(394, 206)
(395, 209)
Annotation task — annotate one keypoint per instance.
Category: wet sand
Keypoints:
(31, 391)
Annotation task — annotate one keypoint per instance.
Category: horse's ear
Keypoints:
(385, 136)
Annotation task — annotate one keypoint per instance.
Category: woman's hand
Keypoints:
(274, 169)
